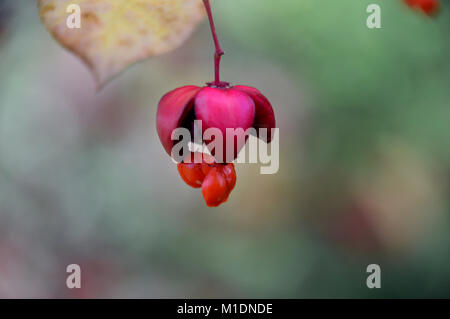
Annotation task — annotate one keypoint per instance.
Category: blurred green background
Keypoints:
(364, 161)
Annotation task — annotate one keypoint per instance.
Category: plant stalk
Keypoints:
(219, 52)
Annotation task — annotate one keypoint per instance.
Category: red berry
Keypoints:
(191, 172)
(429, 7)
(215, 189)
(217, 180)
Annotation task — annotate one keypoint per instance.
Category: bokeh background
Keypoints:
(364, 161)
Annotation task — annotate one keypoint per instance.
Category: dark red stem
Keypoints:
(219, 51)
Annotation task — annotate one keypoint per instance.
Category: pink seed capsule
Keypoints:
(238, 108)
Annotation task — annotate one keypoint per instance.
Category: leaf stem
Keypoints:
(219, 52)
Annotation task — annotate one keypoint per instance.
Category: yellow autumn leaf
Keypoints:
(116, 33)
